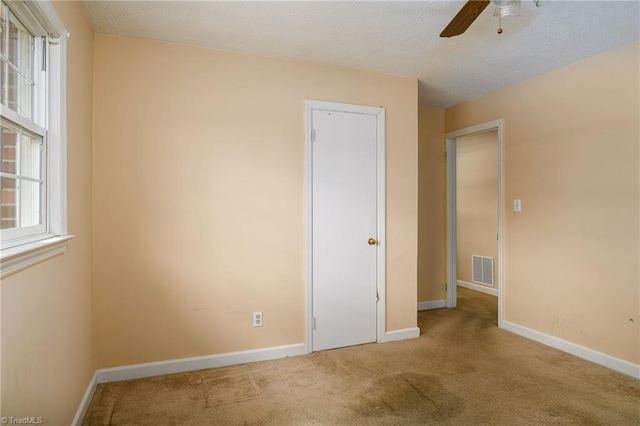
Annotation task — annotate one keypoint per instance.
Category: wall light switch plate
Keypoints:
(517, 206)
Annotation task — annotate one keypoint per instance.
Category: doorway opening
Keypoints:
(472, 265)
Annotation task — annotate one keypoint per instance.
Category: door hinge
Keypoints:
(313, 135)
(446, 155)
(377, 296)
(314, 323)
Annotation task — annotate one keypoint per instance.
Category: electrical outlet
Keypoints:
(257, 319)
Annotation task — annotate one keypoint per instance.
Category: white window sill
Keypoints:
(15, 259)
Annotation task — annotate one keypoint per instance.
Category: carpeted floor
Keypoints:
(462, 370)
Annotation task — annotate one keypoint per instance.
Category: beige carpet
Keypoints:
(462, 370)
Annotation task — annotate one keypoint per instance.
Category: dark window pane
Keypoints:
(8, 141)
(8, 203)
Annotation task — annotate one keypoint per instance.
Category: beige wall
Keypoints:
(571, 154)
(47, 344)
(199, 196)
(476, 201)
(431, 206)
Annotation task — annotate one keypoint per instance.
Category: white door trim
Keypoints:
(451, 211)
(379, 112)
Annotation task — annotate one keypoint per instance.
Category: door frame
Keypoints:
(451, 137)
(379, 113)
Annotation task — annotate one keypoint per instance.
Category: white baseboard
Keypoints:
(150, 369)
(478, 287)
(86, 401)
(430, 304)
(405, 333)
(583, 352)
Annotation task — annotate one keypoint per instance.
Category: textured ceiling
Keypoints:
(396, 37)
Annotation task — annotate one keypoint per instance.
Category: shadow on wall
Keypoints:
(431, 206)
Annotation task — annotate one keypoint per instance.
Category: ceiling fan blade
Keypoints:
(469, 12)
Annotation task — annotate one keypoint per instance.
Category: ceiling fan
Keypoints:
(473, 8)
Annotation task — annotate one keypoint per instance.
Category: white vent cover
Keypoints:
(482, 268)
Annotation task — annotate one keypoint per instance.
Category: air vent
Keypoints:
(482, 267)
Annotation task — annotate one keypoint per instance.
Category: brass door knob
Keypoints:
(372, 241)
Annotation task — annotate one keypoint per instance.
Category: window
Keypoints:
(32, 134)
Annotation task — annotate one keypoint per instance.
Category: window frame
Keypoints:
(41, 19)
(16, 236)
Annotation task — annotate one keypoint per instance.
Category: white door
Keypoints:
(343, 233)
